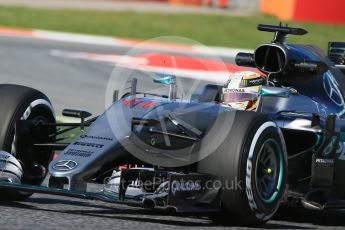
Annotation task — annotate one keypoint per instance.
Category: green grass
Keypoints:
(214, 30)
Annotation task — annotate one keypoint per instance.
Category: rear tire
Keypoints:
(240, 160)
(23, 103)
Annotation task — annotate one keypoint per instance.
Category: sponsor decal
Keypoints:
(227, 90)
(96, 137)
(78, 153)
(134, 102)
(341, 151)
(148, 104)
(131, 102)
(328, 149)
(65, 165)
(340, 148)
(184, 186)
(249, 190)
(255, 82)
(332, 90)
(324, 161)
(153, 141)
(92, 145)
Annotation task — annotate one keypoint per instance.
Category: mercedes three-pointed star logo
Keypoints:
(64, 165)
(332, 89)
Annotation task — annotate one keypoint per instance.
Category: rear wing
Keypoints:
(336, 53)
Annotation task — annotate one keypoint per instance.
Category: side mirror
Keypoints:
(274, 92)
(195, 97)
(77, 114)
(165, 79)
(245, 59)
(168, 80)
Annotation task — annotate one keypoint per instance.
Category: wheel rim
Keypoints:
(269, 171)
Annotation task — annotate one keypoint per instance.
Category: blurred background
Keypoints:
(229, 23)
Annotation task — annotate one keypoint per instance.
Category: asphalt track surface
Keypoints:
(81, 84)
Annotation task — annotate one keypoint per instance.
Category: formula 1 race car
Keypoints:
(194, 155)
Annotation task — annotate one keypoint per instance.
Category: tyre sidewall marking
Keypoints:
(33, 104)
(249, 168)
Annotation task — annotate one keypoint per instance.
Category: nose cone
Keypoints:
(92, 149)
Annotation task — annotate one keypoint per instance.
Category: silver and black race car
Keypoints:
(192, 155)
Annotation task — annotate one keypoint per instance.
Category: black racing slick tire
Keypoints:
(252, 165)
(20, 103)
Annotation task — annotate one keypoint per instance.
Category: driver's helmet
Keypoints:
(241, 91)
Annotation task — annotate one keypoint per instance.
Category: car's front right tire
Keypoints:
(20, 103)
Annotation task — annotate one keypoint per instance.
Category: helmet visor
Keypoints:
(239, 95)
